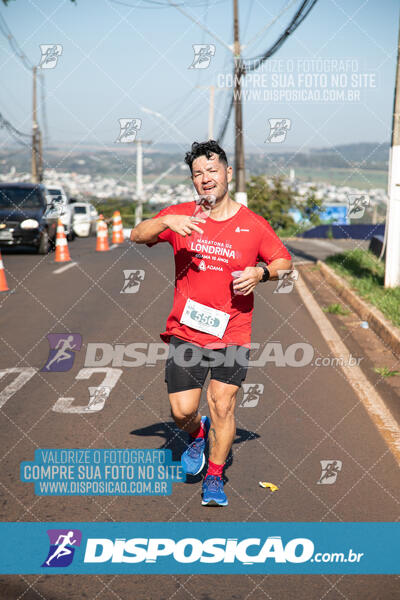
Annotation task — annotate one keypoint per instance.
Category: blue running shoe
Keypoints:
(193, 459)
(213, 492)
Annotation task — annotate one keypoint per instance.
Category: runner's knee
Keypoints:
(182, 416)
(221, 402)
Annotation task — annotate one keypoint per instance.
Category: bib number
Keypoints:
(204, 318)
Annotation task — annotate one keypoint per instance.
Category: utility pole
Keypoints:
(392, 266)
(139, 181)
(34, 131)
(211, 110)
(240, 176)
(211, 114)
(37, 163)
(40, 155)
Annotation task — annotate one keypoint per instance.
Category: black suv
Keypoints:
(27, 216)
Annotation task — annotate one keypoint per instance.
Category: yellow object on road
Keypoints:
(267, 484)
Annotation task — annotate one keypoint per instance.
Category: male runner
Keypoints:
(208, 314)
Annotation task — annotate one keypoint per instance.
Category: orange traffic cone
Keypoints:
(117, 233)
(3, 281)
(99, 217)
(102, 236)
(62, 252)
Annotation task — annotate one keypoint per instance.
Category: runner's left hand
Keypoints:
(248, 280)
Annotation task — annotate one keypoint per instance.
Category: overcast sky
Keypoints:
(118, 57)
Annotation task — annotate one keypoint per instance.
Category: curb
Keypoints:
(388, 332)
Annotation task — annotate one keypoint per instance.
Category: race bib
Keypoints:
(204, 318)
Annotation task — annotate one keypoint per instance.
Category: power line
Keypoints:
(37, 136)
(15, 47)
(269, 25)
(19, 53)
(223, 129)
(203, 34)
(250, 64)
(189, 16)
(249, 11)
(13, 131)
(155, 5)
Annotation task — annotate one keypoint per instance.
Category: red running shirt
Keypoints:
(203, 267)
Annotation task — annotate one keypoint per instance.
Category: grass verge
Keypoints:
(366, 274)
(336, 309)
(386, 372)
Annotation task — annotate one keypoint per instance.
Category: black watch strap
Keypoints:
(266, 275)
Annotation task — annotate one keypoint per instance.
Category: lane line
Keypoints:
(367, 394)
(65, 268)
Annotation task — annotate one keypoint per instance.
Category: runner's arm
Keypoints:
(148, 231)
(273, 253)
(251, 276)
(280, 264)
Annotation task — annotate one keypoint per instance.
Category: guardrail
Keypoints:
(362, 231)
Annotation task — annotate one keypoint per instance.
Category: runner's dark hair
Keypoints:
(205, 149)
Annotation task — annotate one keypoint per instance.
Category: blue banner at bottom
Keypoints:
(208, 548)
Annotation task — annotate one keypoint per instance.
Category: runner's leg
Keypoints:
(221, 399)
(185, 374)
(184, 409)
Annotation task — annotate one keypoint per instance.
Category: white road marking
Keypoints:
(64, 268)
(114, 246)
(98, 395)
(372, 401)
(24, 375)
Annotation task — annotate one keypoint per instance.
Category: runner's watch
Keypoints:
(266, 275)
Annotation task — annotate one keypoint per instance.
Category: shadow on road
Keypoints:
(17, 250)
(296, 252)
(177, 441)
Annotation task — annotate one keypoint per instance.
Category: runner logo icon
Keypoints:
(357, 205)
(287, 279)
(278, 129)
(50, 55)
(251, 394)
(133, 279)
(62, 547)
(62, 351)
(128, 130)
(203, 54)
(202, 266)
(330, 470)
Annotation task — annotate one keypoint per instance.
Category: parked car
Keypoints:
(26, 216)
(58, 195)
(84, 219)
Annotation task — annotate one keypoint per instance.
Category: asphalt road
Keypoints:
(304, 415)
(310, 249)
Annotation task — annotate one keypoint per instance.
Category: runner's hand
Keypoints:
(248, 280)
(183, 224)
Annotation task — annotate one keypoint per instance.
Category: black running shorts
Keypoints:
(187, 365)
